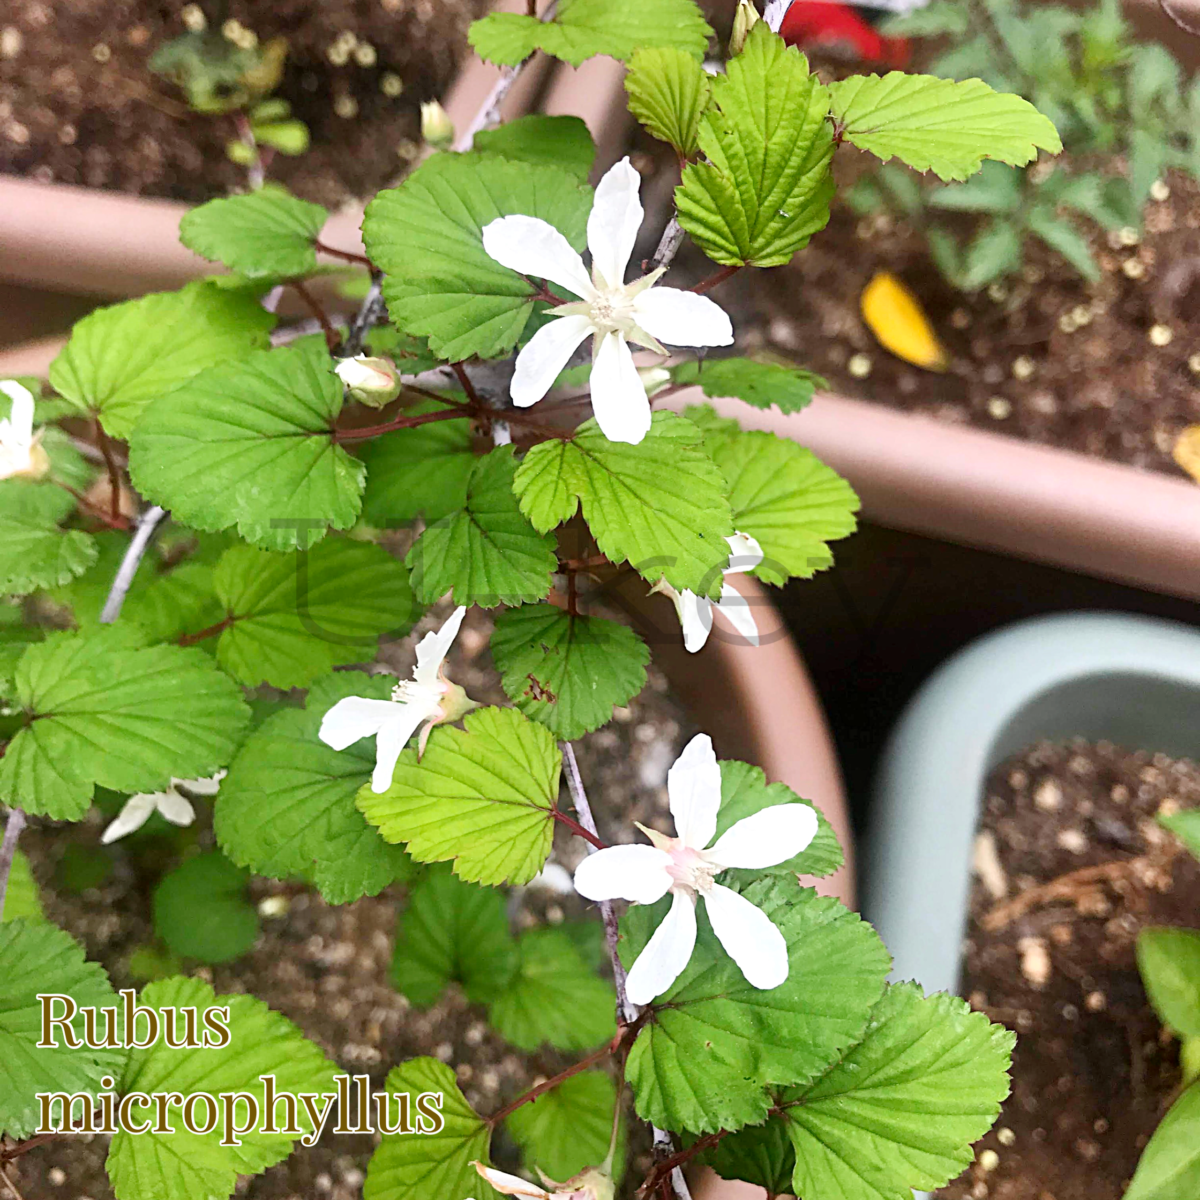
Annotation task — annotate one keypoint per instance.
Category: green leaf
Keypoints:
(714, 1042)
(249, 445)
(451, 930)
(784, 496)
(411, 355)
(434, 1166)
(1169, 960)
(553, 998)
(761, 384)
(36, 554)
(668, 92)
(758, 1154)
(901, 1110)
(660, 504)
(184, 1165)
(994, 252)
(938, 125)
(1186, 827)
(427, 235)
(45, 501)
(287, 807)
(568, 1128)
(267, 232)
(37, 957)
(1062, 236)
(417, 472)
(996, 189)
(480, 795)
(765, 187)
(126, 719)
(567, 672)
(292, 617)
(122, 358)
(562, 142)
(1170, 1165)
(201, 911)
(583, 28)
(487, 553)
(21, 898)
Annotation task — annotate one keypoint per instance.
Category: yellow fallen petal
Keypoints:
(895, 316)
(1187, 451)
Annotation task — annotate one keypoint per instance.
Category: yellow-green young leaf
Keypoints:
(293, 617)
(583, 28)
(1185, 826)
(939, 125)
(562, 142)
(765, 186)
(1170, 1165)
(37, 554)
(433, 1166)
(37, 957)
(183, 1165)
(553, 997)
(267, 232)
(21, 899)
(250, 445)
(660, 505)
(122, 358)
(480, 795)
(1169, 960)
(487, 552)
(201, 910)
(567, 672)
(901, 1109)
(668, 92)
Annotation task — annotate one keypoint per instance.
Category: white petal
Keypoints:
(637, 873)
(694, 791)
(749, 937)
(20, 418)
(392, 738)
(683, 318)
(744, 553)
(735, 608)
(615, 220)
(353, 718)
(133, 816)
(695, 616)
(770, 836)
(618, 395)
(434, 646)
(176, 808)
(510, 1185)
(202, 787)
(774, 13)
(534, 247)
(544, 356)
(666, 953)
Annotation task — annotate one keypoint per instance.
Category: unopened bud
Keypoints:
(744, 19)
(374, 382)
(436, 127)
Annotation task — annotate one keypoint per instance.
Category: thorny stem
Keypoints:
(706, 285)
(114, 472)
(8, 849)
(345, 255)
(147, 523)
(577, 829)
(314, 306)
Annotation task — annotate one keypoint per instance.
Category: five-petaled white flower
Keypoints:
(595, 1183)
(21, 455)
(612, 311)
(428, 698)
(696, 612)
(171, 803)
(686, 866)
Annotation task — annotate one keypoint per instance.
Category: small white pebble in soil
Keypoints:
(1044, 402)
(987, 865)
(1035, 960)
(960, 318)
(1129, 236)
(997, 292)
(1070, 1013)
(1169, 807)
(1072, 840)
(1018, 780)
(1048, 795)
(323, 1182)
(977, 1000)
(998, 408)
(1005, 1136)
(1194, 364)
(1088, 1150)
(193, 18)
(1067, 323)
(1119, 794)
(352, 1177)
(1161, 335)
(979, 1191)
(101, 53)
(859, 366)
(1095, 1002)
(57, 1176)
(445, 1051)
(1082, 314)
(364, 54)
(338, 54)
(11, 41)
(390, 84)
(1160, 191)
(1100, 1125)
(554, 915)
(989, 1160)
(1134, 268)
(1061, 935)
(1023, 367)
(273, 906)
(346, 107)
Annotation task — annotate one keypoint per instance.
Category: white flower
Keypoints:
(172, 804)
(429, 698)
(684, 867)
(613, 312)
(20, 453)
(595, 1183)
(696, 612)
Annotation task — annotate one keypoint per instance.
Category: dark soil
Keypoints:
(79, 105)
(326, 967)
(1093, 1071)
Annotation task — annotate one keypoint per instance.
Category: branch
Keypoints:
(401, 422)
(369, 313)
(578, 829)
(345, 255)
(8, 849)
(314, 307)
(669, 244)
(147, 523)
(190, 639)
(114, 472)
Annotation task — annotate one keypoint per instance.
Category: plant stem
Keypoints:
(346, 255)
(8, 849)
(147, 523)
(114, 472)
(368, 314)
(578, 829)
(314, 307)
(255, 173)
(400, 422)
(706, 285)
(190, 639)
(92, 511)
(8, 1183)
(669, 244)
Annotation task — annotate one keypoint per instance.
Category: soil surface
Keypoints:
(327, 967)
(1069, 866)
(79, 105)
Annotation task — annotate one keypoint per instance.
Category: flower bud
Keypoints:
(436, 127)
(654, 378)
(744, 20)
(374, 382)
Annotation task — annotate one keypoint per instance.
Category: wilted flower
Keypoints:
(744, 19)
(374, 382)
(684, 867)
(595, 1183)
(21, 454)
(172, 804)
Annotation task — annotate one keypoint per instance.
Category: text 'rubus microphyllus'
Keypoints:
(427, 699)
(21, 455)
(610, 311)
(172, 804)
(686, 866)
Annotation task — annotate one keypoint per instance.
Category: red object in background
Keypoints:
(830, 25)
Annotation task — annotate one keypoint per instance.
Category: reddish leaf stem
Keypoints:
(706, 285)
(190, 639)
(404, 421)
(346, 255)
(577, 829)
(110, 463)
(314, 306)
